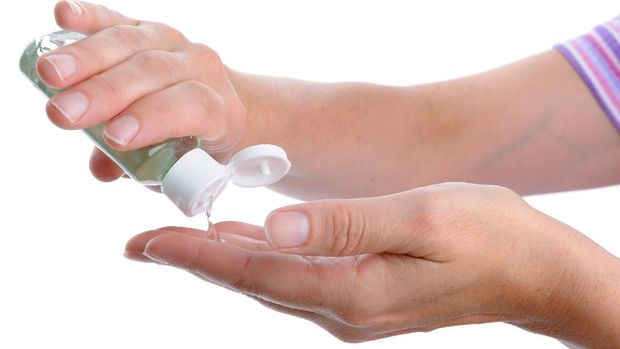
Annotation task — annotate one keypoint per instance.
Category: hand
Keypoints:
(144, 80)
(415, 261)
(175, 88)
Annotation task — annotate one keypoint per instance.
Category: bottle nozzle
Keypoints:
(196, 179)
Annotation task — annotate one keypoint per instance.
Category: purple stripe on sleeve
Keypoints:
(611, 42)
(596, 58)
(589, 83)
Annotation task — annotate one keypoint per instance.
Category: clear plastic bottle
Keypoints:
(147, 165)
(193, 183)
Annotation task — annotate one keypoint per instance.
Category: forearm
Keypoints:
(532, 126)
(345, 139)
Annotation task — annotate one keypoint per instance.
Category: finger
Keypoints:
(105, 95)
(103, 168)
(134, 249)
(304, 314)
(189, 108)
(349, 227)
(70, 64)
(137, 257)
(244, 242)
(88, 18)
(286, 279)
(137, 243)
(254, 232)
(228, 232)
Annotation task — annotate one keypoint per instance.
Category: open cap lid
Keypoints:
(258, 165)
(196, 179)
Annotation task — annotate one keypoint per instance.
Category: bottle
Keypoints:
(187, 174)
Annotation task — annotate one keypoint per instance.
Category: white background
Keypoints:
(64, 282)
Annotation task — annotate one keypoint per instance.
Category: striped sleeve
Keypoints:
(596, 57)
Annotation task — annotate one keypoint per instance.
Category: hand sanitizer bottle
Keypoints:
(187, 174)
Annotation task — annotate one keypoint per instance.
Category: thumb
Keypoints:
(346, 227)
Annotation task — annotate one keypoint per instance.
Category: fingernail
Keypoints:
(71, 105)
(63, 64)
(154, 258)
(76, 7)
(174, 249)
(136, 256)
(287, 229)
(122, 129)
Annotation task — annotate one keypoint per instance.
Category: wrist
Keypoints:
(577, 299)
(264, 117)
(597, 310)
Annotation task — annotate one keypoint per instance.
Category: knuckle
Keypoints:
(154, 60)
(196, 89)
(104, 87)
(206, 56)
(126, 35)
(207, 53)
(87, 54)
(148, 110)
(172, 33)
(345, 228)
(162, 65)
(503, 192)
(206, 99)
(429, 216)
(149, 37)
(210, 105)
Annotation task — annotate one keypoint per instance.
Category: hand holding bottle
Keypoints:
(145, 81)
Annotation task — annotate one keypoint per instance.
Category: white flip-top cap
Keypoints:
(196, 179)
(258, 165)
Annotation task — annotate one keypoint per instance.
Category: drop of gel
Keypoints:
(211, 232)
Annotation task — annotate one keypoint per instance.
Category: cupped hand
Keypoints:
(427, 258)
(144, 80)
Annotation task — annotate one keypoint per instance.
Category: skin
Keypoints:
(383, 259)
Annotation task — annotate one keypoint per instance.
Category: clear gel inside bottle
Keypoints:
(147, 165)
